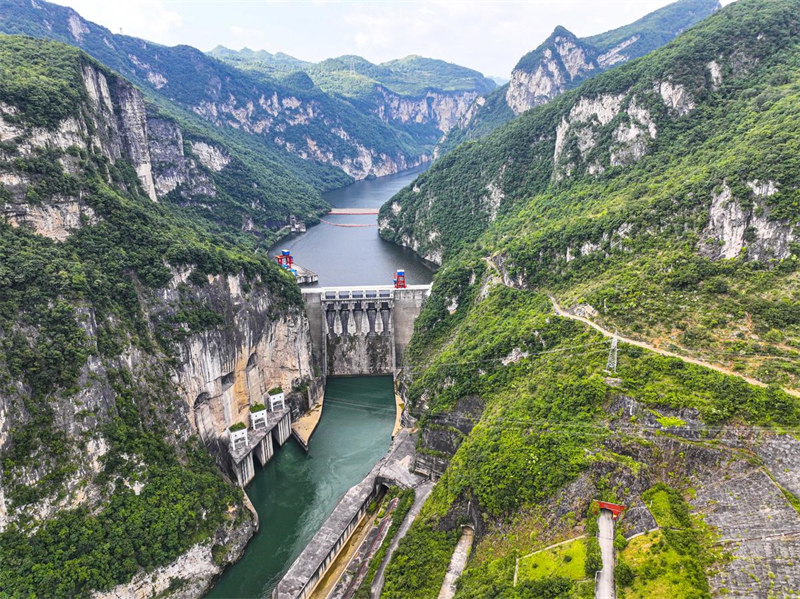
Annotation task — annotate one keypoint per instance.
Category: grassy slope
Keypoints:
(546, 418)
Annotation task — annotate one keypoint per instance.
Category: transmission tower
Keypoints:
(611, 365)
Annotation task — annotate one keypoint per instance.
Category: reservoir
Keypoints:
(295, 491)
(357, 255)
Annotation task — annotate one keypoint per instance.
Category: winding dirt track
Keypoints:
(564, 314)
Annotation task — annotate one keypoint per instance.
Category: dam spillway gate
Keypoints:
(362, 330)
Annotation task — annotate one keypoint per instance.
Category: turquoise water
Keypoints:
(295, 491)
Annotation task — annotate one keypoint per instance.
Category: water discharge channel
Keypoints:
(296, 491)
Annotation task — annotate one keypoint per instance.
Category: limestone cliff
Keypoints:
(117, 359)
(443, 110)
(112, 120)
(560, 62)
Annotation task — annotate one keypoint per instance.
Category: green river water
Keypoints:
(296, 491)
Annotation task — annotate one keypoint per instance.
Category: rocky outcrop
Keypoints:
(559, 63)
(222, 372)
(735, 229)
(364, 163)
(113, 121)
(120, 116)
(172, 167)
(443, 434)
(444, 110)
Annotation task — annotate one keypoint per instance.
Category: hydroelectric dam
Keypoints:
(311, 499)
(363, 329)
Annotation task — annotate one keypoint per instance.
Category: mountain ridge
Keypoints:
(563, 60)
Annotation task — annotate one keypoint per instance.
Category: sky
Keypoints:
(489, 36)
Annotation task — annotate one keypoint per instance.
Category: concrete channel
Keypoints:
(604, 588)
(317, 558)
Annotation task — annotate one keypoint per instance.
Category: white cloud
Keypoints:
(149, 19)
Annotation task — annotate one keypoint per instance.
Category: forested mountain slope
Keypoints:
(303, 123)
(128, 330)
(563, 60)
(421, 96)
(660, 199)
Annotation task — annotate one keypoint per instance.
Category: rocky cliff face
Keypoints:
(561, 62)
(192, 380)
(306, 123)
(443, 110)
(113, 120)
(735, 230)
(222, 372)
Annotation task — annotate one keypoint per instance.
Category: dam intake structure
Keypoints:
(258, 441)
(362, 330)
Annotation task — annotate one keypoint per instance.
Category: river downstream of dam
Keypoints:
(296, 491)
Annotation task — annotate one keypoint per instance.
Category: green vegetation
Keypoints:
(670, 562)
(275, 391)
(642, 225)
(405, 501)
(655, 29)
(566, 560)
(418, 566)
(239, 426)
(40, 81)
(72, 314)
(258, 407)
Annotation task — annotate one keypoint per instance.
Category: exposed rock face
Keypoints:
(443, 110)
(364, 163)
(172, 167)
(210, 156)
(222, 372)
(616, 55)
(733, 229)
(443, 435)
(126, 128)
(676, 97)
(57, 219)
(114, 121)
(564, 61)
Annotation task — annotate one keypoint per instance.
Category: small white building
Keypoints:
(276, 399)
(258, 417)
(238, 439)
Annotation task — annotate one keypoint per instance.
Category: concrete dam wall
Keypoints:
(362, 330)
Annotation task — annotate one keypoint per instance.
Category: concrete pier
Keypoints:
(315, 560)
(260, 445)
(305, 276)
(362, 330)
